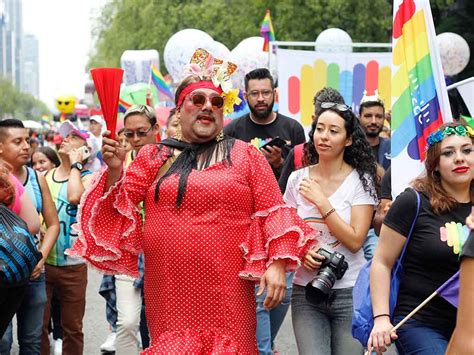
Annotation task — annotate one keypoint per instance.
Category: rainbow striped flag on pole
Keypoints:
(419, 96)
(266, 30)
(123, 105)
(160, 83)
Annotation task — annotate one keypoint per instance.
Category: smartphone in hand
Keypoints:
(275, 142)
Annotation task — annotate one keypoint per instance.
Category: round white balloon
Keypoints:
(249, 55)
(180, 48)
(454, 52)
(220, 51)
(334, 40)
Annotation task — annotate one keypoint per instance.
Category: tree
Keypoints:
(144, 24)
(19, 105)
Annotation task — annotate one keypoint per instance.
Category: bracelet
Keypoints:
(328, 213)
(381, 315)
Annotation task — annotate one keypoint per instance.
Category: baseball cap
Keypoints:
(100, 120)
(67, 127)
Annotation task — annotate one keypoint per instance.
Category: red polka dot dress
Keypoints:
(199, 257)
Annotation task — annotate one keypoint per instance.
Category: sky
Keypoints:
(63, 29)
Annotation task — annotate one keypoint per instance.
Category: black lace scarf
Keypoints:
(193, 156)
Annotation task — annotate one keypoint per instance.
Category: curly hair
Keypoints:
(430, 182)
(326, 94)
(358, 155)
(7, 189)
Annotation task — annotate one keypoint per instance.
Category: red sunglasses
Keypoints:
(200, 100)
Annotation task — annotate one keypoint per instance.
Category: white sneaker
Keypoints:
(58, 347)
(109, 343)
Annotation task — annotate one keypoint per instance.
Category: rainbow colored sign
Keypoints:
(420, 100)
(302, 73)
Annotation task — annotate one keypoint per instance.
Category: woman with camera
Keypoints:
(337, 196)
(432, 254)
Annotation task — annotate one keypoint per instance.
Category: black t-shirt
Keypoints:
(428, 260)
(468, 248)
(286, 170)
(286, 128)
(386, 185)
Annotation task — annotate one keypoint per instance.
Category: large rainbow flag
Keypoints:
(160, 83)
(267, 32)
(419, 96)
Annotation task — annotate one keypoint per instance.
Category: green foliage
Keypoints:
(19, 105)
(145, 24)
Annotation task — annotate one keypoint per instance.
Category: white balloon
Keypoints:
(220, 51)
(180, 48)
(249, 55)
(454, 52)
(334, 40)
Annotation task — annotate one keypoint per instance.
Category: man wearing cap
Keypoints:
(14, 150)
(371, 118)
(65, 275)
(97, 126)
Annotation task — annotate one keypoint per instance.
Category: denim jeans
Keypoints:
(269, 322)
(417, 338)
(29, 319)
(324, 328)
(370, 244)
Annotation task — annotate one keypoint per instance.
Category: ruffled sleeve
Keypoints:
(109, 224)
(276, 232)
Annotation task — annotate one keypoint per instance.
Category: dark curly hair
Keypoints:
(359, 154)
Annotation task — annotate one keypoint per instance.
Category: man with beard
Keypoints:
(259, 127)
(372, 117)
(262, 125)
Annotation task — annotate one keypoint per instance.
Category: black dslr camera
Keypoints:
(332, 268)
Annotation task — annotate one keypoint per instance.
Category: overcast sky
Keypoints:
(63, 29)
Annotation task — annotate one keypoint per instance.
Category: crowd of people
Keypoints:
(209, 236)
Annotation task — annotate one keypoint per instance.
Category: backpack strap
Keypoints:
(298, 155)
(418, 203)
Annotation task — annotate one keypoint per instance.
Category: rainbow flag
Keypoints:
(160, 83)
(266, 30)
(419, 96)
(123, 106)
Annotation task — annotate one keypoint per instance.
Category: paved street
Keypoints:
(96, 327)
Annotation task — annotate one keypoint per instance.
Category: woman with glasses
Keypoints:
(446, 193)
(335, 194)
(214, 222)
(123, 293)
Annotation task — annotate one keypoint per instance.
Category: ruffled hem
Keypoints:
(272, 236)
(193, 341)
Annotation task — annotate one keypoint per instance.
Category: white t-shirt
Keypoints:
(349, 193)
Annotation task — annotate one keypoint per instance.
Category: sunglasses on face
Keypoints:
(139, 134)
(339, 107)
(200, 100)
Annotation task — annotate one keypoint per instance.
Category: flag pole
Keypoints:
(420, 306)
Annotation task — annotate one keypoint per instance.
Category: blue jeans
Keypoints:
(269, 322)
(370, 244)
(324, 328)
(417, 338)
(29, 320)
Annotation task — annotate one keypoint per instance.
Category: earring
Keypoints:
(220, 136)
(179, 135)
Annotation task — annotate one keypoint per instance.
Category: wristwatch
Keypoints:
(77, 166)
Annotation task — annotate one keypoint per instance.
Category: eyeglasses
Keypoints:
(339, 107)
(139, 134)
(200, 100)
(266, 94)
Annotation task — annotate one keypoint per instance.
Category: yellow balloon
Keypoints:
(66, 104)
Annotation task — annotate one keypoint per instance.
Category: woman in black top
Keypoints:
(446, 195)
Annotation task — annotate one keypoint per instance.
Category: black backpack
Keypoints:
(18, 252)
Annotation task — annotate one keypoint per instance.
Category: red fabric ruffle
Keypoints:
(276, 233)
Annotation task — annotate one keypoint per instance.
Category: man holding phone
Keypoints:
(273, 133)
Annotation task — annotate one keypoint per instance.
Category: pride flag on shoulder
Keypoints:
(267, 31)
(160, 83)
(419, 96)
